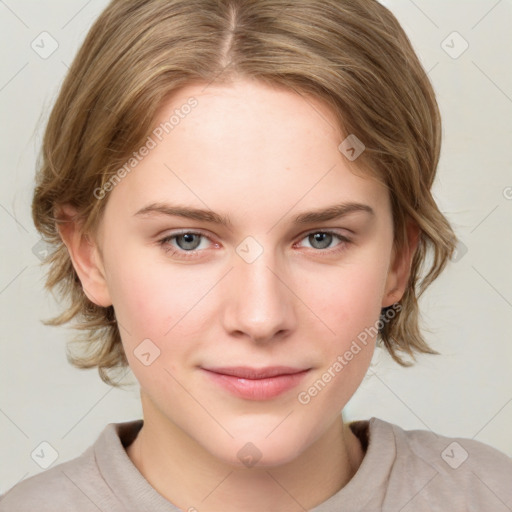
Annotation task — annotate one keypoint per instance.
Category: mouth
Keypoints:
(256, 383)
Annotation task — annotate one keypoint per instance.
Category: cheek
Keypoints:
(350, 306)
(139, 304)
(348, 298)
(162, 303)
(153, 310)
(149, 298)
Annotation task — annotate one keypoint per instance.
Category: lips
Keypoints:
(256, 383)
(245, 372)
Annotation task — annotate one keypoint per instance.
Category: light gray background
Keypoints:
(465, 392)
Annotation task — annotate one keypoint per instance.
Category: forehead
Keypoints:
(250, 106)
(247, 147)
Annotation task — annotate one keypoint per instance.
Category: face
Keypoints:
(231, 327)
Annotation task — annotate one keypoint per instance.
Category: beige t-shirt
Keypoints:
(406, 471)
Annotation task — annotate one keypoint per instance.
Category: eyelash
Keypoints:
(195, 253)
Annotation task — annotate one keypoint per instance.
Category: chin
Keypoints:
(258, 450)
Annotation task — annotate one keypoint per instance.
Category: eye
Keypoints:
(321, 240)
(187, 243)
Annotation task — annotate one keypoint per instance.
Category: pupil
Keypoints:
(187, 241)
(322, 239)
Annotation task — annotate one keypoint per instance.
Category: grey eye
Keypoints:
(188, 241)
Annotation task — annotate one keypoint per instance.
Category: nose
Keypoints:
(261, 304)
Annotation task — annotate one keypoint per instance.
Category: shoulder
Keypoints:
(80, 484)
(448, 454)
(453, 470)
(63, 487)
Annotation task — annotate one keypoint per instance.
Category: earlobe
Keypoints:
(85, 257)
(400, 268)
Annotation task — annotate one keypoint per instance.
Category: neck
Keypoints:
(192, 479)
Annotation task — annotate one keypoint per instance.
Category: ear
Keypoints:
(85, 256)
(400, 266)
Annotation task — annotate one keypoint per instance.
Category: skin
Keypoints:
(260, 155)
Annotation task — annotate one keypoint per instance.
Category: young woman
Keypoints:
(239, 197)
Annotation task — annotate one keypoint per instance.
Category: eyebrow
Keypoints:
(330, 213)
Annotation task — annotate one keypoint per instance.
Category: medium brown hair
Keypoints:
(351, 54)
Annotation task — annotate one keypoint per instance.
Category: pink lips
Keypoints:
(256, 383)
